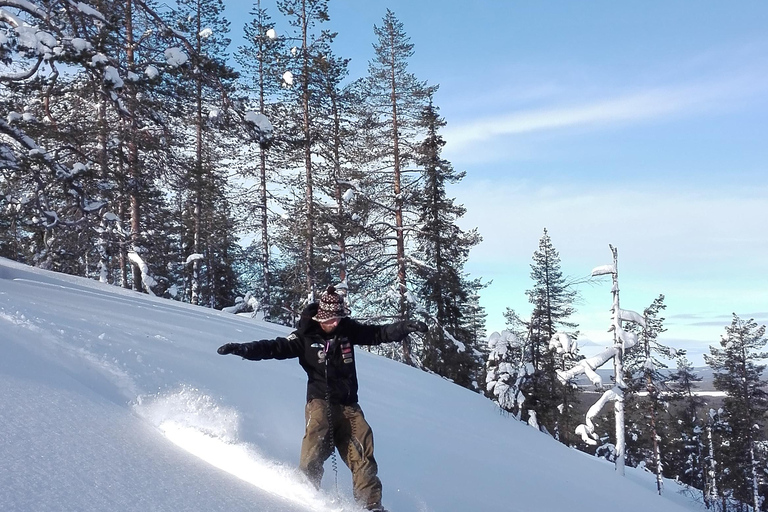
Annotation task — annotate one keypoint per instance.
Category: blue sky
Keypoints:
(637, 124)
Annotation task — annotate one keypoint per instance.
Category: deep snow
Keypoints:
(114, 400)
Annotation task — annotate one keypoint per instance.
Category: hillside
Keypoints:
(113, 400)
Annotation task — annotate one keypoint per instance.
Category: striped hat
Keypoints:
(331, 306)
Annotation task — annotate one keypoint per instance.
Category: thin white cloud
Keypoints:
(663, 225)
(633, 107)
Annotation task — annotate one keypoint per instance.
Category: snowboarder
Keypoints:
(324, 343)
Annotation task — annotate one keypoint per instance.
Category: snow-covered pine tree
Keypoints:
(51, 193)
(523, 370)
(442, 249)
(109, 159)
(505, 370)
(81, 190)
(738, 372)
(716, 495)
(395, 99)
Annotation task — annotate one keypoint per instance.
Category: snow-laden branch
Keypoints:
(262, 127)
(146, 276)
(603, 270)
(588, 367)
(87, 10)
(243, 304)
(587, 429)
(22, 5)
(34, 150)
(22, 75)
(631, 316)
(562, 344)
(193, 258)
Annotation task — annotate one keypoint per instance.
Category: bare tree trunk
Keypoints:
(197, 181)
(123, 246)
(266, 278)
(133, 152)
(310, 221)
(618, 359)
(399, 235)
(103, 137)
(653, 396)
(655, 436)
(339, 196)
(713, 492)
(754, 471)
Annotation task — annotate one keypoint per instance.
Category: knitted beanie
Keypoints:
(331, 306)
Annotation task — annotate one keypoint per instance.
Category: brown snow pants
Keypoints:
(352, 436)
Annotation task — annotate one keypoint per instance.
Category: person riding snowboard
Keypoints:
(324, 345)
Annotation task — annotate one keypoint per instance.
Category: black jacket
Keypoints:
(328, 358)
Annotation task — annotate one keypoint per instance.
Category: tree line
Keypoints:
(134, 151)
(716, 446)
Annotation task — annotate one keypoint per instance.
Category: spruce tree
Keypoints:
(442, 249)
(552, 297)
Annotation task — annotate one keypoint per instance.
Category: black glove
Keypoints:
(415, 326)
(228, 348)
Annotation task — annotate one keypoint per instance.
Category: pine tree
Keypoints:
(395, 98)
(202, 22)
(336, 174)
(442, 251)
(97, 150)
(262, 67)
(687, 461)
(643, 367)
(738, 373)
(106, 187)
(552, 298)
(52, 197)
(312, 45)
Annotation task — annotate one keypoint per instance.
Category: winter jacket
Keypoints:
(328, 358)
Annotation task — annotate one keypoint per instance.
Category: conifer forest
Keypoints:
(140, 148)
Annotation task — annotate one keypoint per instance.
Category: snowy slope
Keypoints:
(113, 400)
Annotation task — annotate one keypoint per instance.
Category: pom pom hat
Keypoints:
(331, 306)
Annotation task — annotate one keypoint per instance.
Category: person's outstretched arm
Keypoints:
(362, 334)
(278, 348)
